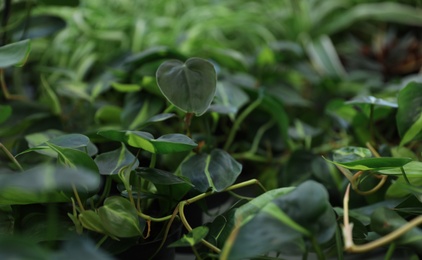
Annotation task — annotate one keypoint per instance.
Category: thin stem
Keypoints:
(11, 157)
(258, 136)
(246, 183)
(106, 191)
(198, 256)
(239, 121)
(167, 230)
(5, 91)
(75, 192)
(103, 239)
(373, 151)
(188, 120)
(148, 217)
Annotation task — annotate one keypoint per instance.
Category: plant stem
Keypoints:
(188, 120)
(239, 121)
(102, 240)
(75, 192)
(5, 91)
(371, 122)
(106, 191)
(10, 156)
(390, 252)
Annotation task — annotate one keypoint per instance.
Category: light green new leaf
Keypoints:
(189, 86)
(119, 217)
(192, 238)
(14, 54)
(215, 171)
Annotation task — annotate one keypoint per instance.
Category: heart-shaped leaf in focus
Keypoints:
(217, 170)
(189, 86)
(120, 218)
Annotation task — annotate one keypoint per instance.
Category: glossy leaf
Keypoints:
(170, 143)
(413, 169)
(14, 54)
(351, 153)
(119, 217)
(215, 171)
(409, 113)
(189, 86)
(43, 184)
(282, 223)
(110, 163)
(74, 158)
(374, 163)
(157, 118)
(5, 112)
(372, 101)
(193, 238)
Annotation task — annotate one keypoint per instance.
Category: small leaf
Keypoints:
(5, 112)
(14, 54)
(91, 221)
(119, 217)
(351, 153)
(217, 170)
(189, 86)
(193, 238)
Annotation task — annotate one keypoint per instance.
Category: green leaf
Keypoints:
(372, 101)
(409, 113)
(157, 118)
(230, 96)
(217, 170)
(18, 247)
(351, 153)
(374, 163)
(91, 221)
(170, 143)
(74, 158)
(5, 112)
(385, 221)
(189, 86)
(14, 54)
(193, 238)
(413, 169)
(125, 87)
(108, 114)
(282, 223)
(120, 217)
(43, 184)
(110, 163)
(159, 177)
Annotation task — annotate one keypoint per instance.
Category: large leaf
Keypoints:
(409, 114)
(169, 143)
(111, 163)
(190, 86)
(119, 217)
(43, 184)
(215, 171)
(282, 223)
(14, 54)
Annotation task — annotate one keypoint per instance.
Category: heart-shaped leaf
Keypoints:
(14, 54)
(119, 217)
(217, 170)
(189, 86)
